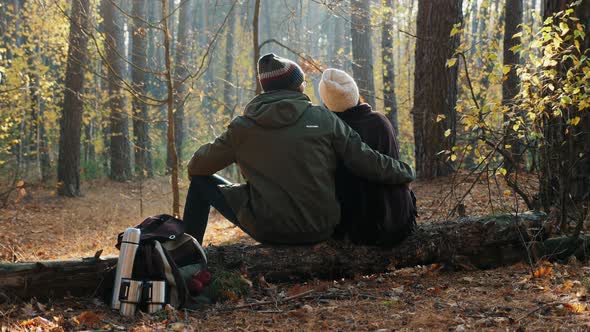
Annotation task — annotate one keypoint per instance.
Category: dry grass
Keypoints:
(45, 226)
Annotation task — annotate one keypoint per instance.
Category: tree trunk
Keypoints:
(474, 19)
(256, 43)
(335, 42)
(37, 124)
(119, 120)
(483, 15)
(387, 55)
(6, 20)
(141, 135)
(468, 243)
(580, 181)
(266, 24)
(435, 85)
(68, 166)
(170, 103)
(181, 72)
(565, 158)
(156, 60)
(228, 84)
(43, 147)
(511, 85)
(362, 49)
(89, 151)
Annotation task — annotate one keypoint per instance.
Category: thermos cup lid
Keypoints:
(132, 235)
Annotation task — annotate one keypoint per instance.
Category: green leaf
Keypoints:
(516, 48)
(447, 133)
(548, 21)
(451, 62)
(575, 121)
(564, 28)
(456, 29)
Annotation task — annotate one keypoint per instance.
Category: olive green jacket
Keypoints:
(288, 150)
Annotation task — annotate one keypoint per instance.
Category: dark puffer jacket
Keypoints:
(373, 212)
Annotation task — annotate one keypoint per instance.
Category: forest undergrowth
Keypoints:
(39, 225)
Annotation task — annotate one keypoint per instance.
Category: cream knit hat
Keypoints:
(338, 90)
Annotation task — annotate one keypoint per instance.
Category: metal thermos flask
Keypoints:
(155, 295)
(129, 246)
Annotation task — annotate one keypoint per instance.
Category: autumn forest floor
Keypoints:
(43, 226)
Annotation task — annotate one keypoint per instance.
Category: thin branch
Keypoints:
(11, 89)
(198, 73)
(135, 17)
(300, 55)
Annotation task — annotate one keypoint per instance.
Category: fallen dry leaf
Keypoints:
(181, 327)
(568, 284)
(575, 307)
(39, 323)
(88, 319)
(433, 268)
(543, 271)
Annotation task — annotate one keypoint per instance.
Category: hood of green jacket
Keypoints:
(277, 109)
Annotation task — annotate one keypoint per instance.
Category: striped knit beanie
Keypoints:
(276, 73)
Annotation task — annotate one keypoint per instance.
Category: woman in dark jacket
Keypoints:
(372, 213)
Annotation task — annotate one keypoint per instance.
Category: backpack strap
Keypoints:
(178, 291)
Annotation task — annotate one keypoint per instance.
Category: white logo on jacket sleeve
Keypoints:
(312, 126)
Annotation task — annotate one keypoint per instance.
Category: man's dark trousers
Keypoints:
(203, 193)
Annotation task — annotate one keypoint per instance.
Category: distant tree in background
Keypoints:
(511, 85)
(256, 44)
(435, 85)
(119, 120)
(171, 127)
(68, 167)
(387, 56)
(229, 95)
(362, 49)
(184, 41)
(141, 126)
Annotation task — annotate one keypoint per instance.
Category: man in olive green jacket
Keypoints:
(288, 151)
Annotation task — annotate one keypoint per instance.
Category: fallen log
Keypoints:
(474, 242)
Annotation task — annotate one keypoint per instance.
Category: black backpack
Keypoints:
(164, 249)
